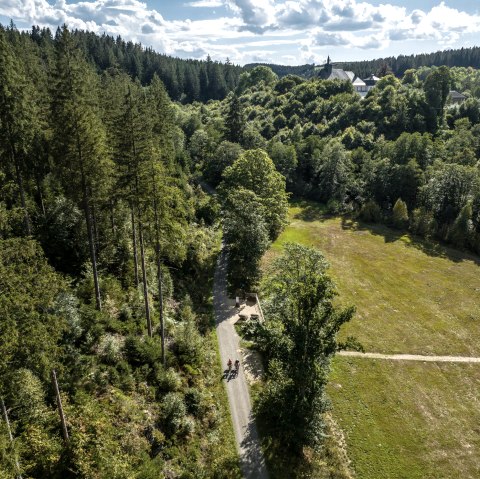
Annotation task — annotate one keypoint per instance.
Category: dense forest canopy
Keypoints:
(404, 142)
(185, 80)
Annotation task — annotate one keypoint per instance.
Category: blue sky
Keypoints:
(286, 31)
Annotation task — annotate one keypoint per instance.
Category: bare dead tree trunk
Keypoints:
(91, 243)
(159, 268)
(10, 437)
(66, 438)
(134, 241)
(144, 278)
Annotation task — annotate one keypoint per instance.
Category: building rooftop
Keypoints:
(455, 95)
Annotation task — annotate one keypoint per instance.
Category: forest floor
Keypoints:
(401, 419)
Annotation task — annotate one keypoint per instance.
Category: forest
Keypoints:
(108, 242)
(106, 256)
(404, 155)
(463, 57)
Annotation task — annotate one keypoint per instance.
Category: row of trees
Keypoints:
(462, 57)
(185, 80)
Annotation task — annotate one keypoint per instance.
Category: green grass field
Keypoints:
(411, 297)
(402, 420)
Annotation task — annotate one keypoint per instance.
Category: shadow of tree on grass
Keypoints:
(429, 247)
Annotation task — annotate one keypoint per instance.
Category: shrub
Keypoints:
(400, 214)
(371, 212)
(140, 351)
(334, 207)
(188, 342)
(423, 223)
(174, 418)
(167, 380)
(110, 348)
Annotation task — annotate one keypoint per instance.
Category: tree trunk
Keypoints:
(144, 277)
(112, 216)
(21, 190)
(95, 229)
(159, 268)
(134, 241)
(10, 437)
(60, 408)
(40, 194)
(91, 242)
(160, 302)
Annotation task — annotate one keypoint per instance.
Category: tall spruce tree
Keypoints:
(79, 137)
(235, 120)
(134, 150)
(17, 120)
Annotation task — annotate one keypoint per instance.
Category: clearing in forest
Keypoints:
(401, 419)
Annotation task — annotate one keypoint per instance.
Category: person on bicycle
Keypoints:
(237, 365)
(229, 364)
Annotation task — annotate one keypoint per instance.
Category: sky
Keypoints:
(284, 32)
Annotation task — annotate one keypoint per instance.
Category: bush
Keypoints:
(371, 212)
(140, 351)
(110, 348)
(423, 223)
(167, 380)
(334, 207)
(188, 342)
(174, 418)
(400, 214)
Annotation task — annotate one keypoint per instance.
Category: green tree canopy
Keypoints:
(300, 337)
(255, 171)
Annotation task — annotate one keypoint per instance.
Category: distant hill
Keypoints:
(463, 57)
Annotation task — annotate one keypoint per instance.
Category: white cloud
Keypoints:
(258, 15)
(205, 4)
(302, 29)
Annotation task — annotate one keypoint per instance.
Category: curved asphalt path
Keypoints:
(246, 435)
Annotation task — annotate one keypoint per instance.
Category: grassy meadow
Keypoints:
(402, 420)
(411, 296)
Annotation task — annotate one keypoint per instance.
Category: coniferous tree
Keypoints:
(79, 137)
(134, 153)
(235, 120)
(17, 120)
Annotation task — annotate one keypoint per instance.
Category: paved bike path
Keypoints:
(246, 435)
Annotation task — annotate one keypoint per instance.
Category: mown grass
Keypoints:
(408, 420)
(410, 296)
(402, 420)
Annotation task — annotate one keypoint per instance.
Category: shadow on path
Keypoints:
(251, 457)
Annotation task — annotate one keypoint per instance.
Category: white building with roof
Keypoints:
(362, 87)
